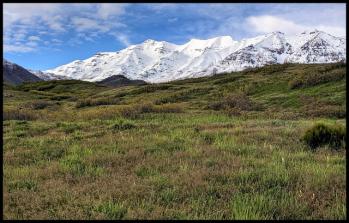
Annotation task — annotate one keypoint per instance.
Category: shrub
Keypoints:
(99, 113)
(36, 105)
(19, 114)
(96, 102)
(129, 112)
(45, 87)
(312, 79)
(322, 134)
(123, 125)
(168, 108)
(326, 111)
(150, 88)
(68, 127)
(136, 110)
(60, 97)
(240, 101)
(182, 95)
(146, 108)
(173, 98)
(236, 101)
(313, 107)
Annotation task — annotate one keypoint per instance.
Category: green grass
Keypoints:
(161, 151)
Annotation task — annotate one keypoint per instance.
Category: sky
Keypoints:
(42, 36)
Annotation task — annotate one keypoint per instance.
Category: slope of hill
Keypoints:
(15, 74)
(220, 147)
(160, 61)
(120, 80)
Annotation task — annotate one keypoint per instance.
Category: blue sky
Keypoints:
(43, 36)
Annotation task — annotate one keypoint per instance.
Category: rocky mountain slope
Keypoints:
(15, 74)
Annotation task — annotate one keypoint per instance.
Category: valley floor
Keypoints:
(71, 159)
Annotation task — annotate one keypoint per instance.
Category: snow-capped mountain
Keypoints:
(160, 61)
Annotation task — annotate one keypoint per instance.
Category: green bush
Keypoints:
(68, 127)
(19, 114)
(123, 125)
(322, 134)
(60, 97)
(129, 111)
(183, 95)
(326, 111)
(150, 88)
(312, 79)
(168, 108)
(96, 102)
(145, 108)
(36, 105)
(239, 101)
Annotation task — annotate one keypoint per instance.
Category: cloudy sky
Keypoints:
(44, 36)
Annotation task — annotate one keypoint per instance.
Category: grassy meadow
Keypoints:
(223, 147)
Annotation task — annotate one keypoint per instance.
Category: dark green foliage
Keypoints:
(23, 185)
(182, 95)
(96, 102)
(60, 97)
(37, 105)
(68, 127)
(123, 125)
(112, 210)
(227, 80)
(238, 101)
(312, 79)
(150, 88)
(269, 69)
(330, 111)
(19, 114)
(208, 138)
(322, 134)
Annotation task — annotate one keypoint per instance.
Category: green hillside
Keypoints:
(221, 147)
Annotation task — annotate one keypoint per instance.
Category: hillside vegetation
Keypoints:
(223, 147)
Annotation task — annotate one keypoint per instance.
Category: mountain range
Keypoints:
(159, 61)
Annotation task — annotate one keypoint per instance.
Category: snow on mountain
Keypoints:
(160, 61)
(47, 76)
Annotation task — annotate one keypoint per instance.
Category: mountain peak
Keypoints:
(150, 41)
(15, 74)
(312, 31)
(278, 33)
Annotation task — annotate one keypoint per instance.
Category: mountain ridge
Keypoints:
(160, 61)
(16, 74)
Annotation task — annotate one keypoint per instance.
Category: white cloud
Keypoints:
(106, 10)
(124, 39)
(83, 24)
(57, 41)
(32, 44)
(19, 36)
(17, 49)
(29, 13)
(34, 38)
(25, 22)
(268, 23)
